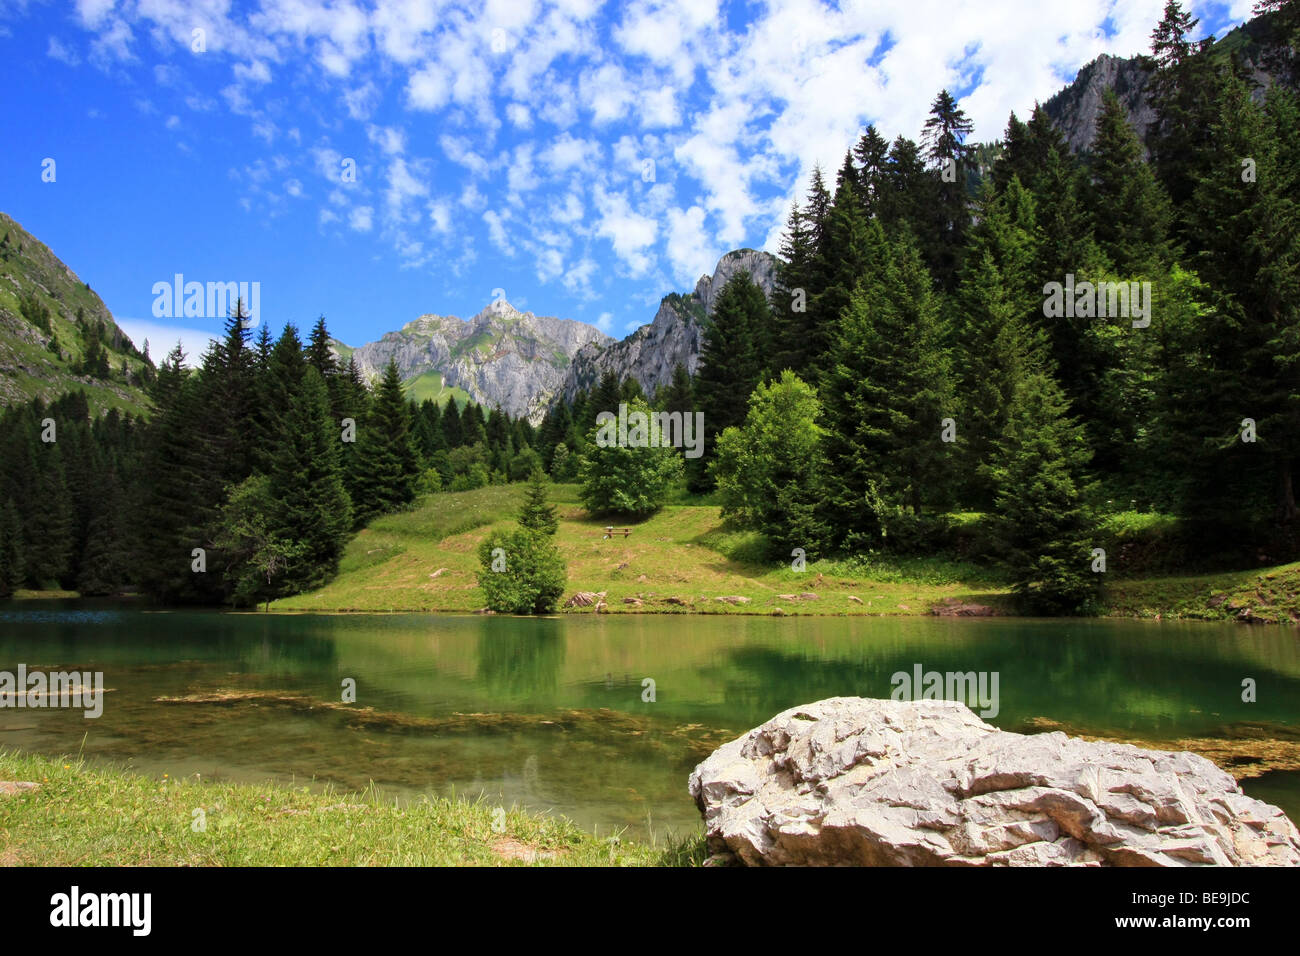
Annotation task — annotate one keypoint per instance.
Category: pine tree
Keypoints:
(679, 394)
(228, 408)
(730, 368)
(852, 249)
(451, 429)
(888, 391)
(1000, 349)
(180, 501)
(278, 381)
(387, 465)
(106, 567)
(537, 513)
(791, 299)
(1131, 212)
(555, 426)
(871, 152)
(1248, 228)
(319, 354)
(1182, 92)
(908, 195)
(48, 529)
(472, 426)
(12, 572)
(1044, 530)
(262, 346)
(944, 139)
(605, 398)
(310, 507)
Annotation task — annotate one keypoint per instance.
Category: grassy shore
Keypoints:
(683, 559)
(79, 815)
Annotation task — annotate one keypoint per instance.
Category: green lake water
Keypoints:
(550, 714)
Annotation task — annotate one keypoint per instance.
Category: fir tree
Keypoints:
(944, 139)
(729, 365)
(319, 354)
(1131, 213)
(1044, 530)
(537, 513)
(889, 388)
(12, 572)
(309, 504)
(387, 465)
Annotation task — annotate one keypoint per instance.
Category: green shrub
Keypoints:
(521, 572)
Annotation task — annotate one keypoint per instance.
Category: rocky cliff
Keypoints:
(502, 357)
(652, 352)
(521, 362)
(1074, 110)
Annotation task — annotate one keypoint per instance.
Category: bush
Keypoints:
(521, 572)
(628, 479)
(476, 477)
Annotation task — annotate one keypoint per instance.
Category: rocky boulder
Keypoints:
(854, 781)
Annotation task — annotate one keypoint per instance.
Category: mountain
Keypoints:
(49, 321)
(652, 352)
(522, 362)
(1075, 108)
(502, 357)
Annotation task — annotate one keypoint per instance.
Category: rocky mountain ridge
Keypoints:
(521, 362)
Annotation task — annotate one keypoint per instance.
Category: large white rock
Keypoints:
(855, 781)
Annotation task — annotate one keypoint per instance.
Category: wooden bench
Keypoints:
(611, 531)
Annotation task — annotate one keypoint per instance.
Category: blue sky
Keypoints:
(585, 158)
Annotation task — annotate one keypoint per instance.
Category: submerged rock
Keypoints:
(855, 781)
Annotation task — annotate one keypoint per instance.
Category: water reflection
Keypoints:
(551, 713)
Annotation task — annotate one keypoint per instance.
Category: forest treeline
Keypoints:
(246, 481)
(1040, 338)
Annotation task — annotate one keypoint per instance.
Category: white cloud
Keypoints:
(689, 247)
(568, 152)
(429, 89)
(440, 215)
(496, 223)
(162, 338)
(64, 54)
(361, 219)
(630, 233)
(459, 151)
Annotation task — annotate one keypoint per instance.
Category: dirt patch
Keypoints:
(10, 787)
(508, 848)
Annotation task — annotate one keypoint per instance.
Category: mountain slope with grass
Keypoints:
(56, 334)
(681, 559)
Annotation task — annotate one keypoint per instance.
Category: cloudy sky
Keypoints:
(372, 161)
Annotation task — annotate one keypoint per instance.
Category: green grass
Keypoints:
(431, 385)
(425, 560)
(1266, 595)
(81, 815)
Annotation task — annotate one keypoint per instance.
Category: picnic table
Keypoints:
(610, 531)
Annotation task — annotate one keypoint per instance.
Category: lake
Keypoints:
(559, 714)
